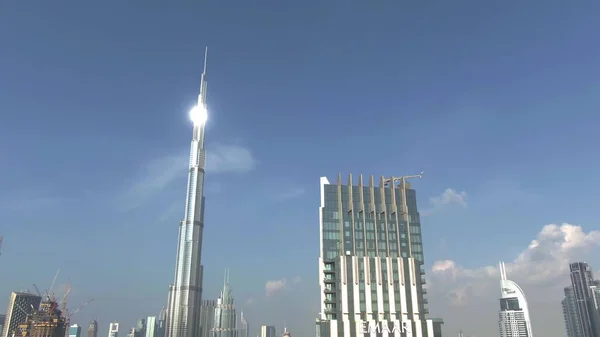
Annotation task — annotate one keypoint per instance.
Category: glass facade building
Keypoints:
(19, 306)
(225, 319)
(74, 331)
(371, 256)
(586, 298)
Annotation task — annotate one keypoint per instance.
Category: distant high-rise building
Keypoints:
(207, 317)
(586, 298)
(151, 326)
(47, 321)
(514, 312)
(75, 331)
(570, 313)
(2, 319)
(225, 324)
(140, 328)
(371, 260)
(93, 329)
(268, 331)
(244, 328)
(20, 305)
(113, 330)
(161, 323)
(286, 333)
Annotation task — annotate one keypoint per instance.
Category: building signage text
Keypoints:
(391, 327)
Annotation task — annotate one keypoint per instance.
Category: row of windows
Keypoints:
(333, 254)
(370, 236)
(370, 226)
(335, 215)
(331, 193)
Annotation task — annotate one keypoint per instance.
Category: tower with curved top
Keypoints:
(514, 318)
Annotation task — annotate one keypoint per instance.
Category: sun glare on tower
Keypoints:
(198, 115)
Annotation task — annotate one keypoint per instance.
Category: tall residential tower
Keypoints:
(207, 317)
(244, 328)
(570, 314)
(514, 318)
(371, 257)
(585, 297)
(225, 324)
(93, 329)
(185, 294)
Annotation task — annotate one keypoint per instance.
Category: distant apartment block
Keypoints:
(74, 331)
(2, 319)
(19, 307)
(151, 326)
(93, 329)
(207, 317)
(113, 330)
(268, 331)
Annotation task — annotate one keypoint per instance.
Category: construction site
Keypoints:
(37, 315)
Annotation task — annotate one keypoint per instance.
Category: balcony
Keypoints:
(424, 291)
(329, 280)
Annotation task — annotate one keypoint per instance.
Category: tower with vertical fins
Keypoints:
(225, 324)
(185, 294)
(371, 260)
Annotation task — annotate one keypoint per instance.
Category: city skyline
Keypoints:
(496, 102)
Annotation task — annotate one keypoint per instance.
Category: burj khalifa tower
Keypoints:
(185, 294)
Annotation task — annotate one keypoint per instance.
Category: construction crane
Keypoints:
(63, 301)
(37, 290)
(49, 292)
(68, 315)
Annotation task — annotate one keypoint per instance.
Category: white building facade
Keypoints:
(514, 320)
(370, 265)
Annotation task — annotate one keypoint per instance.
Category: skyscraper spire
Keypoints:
(185, 294)
(225, 324)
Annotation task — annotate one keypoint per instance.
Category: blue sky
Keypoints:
(497, 100)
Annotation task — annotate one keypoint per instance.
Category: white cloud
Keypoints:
(275, 286)
(161, 172)
(449, 197)
(545, 260)
(541, 269)
(155, 177)
(229, 158)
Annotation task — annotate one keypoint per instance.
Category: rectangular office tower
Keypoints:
(20, 306)
(371, 257)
